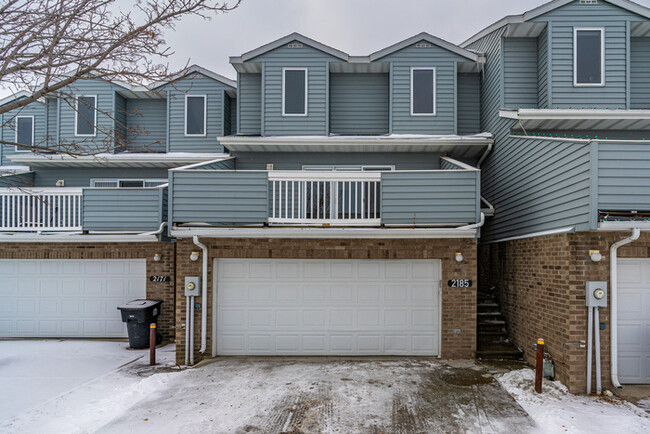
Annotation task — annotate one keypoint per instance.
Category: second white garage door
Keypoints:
(327, 307)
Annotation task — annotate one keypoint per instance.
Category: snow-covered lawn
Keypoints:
(34, 372)
(558, 411)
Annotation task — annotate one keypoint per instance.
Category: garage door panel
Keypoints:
(327, 307)
(68, 298)
(634, 321)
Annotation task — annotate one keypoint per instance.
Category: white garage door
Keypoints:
(327, 307)
(634, 321)
(67, 298)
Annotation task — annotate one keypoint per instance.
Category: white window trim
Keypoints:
(76, 116)
(575, 56)
(205, 116)
(435, 85)
(20, 148)
(284, 75)
(118, 180)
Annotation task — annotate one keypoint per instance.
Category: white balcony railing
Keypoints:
(325, 198)
(41, 209)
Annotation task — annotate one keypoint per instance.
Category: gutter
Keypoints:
(613, 314)
(204, 295)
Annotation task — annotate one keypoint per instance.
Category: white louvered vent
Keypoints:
(295, 45)
(423, 45)
(588, 2)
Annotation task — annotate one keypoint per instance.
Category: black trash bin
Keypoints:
(138, 314)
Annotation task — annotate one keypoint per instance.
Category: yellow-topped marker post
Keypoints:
(539, 366)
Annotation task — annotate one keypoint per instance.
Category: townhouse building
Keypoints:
(329, 204)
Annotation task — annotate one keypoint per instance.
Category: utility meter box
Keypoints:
(597, 294)
(192, 286)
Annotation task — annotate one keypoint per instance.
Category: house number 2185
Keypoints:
(459, 283)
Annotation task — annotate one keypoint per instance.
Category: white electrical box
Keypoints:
(192, 286)
(596, 294)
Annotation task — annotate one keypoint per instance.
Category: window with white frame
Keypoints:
(24, 126)
(195, 115)
(86, 115)
(294, 91)
(127, 183)
(589, 57)
(423, 91)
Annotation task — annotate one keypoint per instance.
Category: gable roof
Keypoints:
(201, 70)
(424, 36)
(18, 95)
(285, 40)
(548, 7)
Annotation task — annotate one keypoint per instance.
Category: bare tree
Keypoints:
(48, 45)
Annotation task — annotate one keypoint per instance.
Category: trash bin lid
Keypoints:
(140, 304)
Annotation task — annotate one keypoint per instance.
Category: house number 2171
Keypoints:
(459, 283)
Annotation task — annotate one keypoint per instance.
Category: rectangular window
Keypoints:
(195, 115)
(127, 183)
(24, 132)
(423, 91)
(294, 92)
(589, 57)
(86, 116)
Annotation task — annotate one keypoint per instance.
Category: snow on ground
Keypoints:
(557, 411)
(35, 371)
(644, 404)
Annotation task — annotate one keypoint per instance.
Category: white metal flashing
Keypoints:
(173, 159)
(76, 238)
(623, 226)
(533, 235)
(322, 233)
(546, 8)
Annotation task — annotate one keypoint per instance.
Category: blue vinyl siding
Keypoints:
(542, 69)
(126, 209)
(233, 116)
(106, 99)
(640, 73)
(359, 104)
(316, 62)
(429, 198)
(8, 131)
(120, 123)
(80, 177)
(614, 20)
(52, 128)
(227, 125)
(219, 198)
(228, 164)
(296, 160)
(520, 72)
(249, 97)
(624, 176)
(196, 84)
(146, 120)
(444, 122)
(18, 180)
(469, 104)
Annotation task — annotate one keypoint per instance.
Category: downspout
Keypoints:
(204, 295)
(613, 284)
(485, 154)
(474, 226)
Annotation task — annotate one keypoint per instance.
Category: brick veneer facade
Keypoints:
(540, 283)
(155, 290)
(458, 305)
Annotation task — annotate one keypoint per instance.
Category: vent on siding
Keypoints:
(296, 45)
(423, 45)
(588, 2)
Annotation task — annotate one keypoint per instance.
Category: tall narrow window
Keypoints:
(294, 92)
(195, 115)
(423, 91)
(86, 116)
(24, 133)
(589, 57)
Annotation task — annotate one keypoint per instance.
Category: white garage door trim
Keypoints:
(67, 298)
(252, 323)
(634, 321)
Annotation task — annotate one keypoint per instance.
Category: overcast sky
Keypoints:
(357, 27)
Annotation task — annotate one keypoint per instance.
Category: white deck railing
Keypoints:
(318, 198)
(40, 209)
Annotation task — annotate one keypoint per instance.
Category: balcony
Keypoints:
(208, 197)
(43, 210)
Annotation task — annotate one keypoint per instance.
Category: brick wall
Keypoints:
(155, 290)
(458, 305)
(540, 283)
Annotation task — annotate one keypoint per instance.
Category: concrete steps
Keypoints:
(492, 332)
